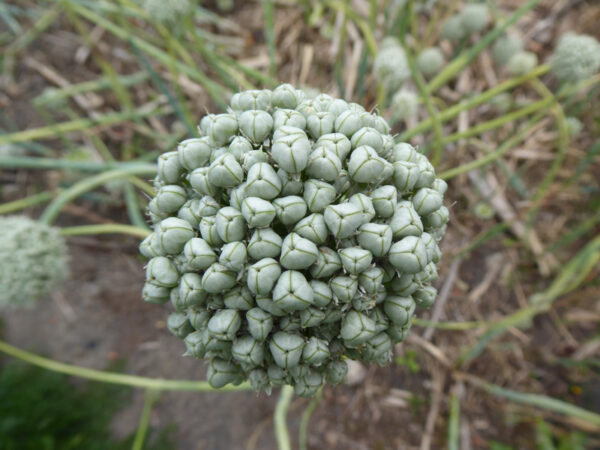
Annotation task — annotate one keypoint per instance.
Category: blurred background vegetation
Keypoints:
(508, 357)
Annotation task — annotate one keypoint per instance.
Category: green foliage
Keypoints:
(409, 360)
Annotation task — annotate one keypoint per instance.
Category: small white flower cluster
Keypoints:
(293, 234)
(34, 261)
(472, 19)
(576, 57)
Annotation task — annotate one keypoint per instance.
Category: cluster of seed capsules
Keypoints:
(293, 234)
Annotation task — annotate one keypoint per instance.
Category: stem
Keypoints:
(449, 326)
(110, 228)
(306, 415)
(133, 208)
(150, 399)
(25, 202)
(269, 18)
(115, 378)
(465, 59)
(87, 185)
(477, 100)
(454, 423)
(279, 419)
(25, 162)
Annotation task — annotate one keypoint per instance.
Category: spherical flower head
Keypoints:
(391, 66)
(502, 102)
(576, 58)
(430, 61)
(453, 29)
(405, 104)
(574, 126)
(474, 18)
(505, 48)
(292, 235)
(168, 12)
(34, 261)
(522, 63)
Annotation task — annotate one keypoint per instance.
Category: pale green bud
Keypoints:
(218, 279)
(198, 318)
(522, 63)
(308, 385)
(288, 117)
(277, 376)
(263, 182)
(318, 194)
(208, 231)
(221, 372)
(576, 58)
(337, 143)
(286, 96)
(150, 246)
(357, 328)
(266, 304)
(224, 324)
(162, 272)
(263, 275)
(170, 198)
(378, 349)
(328, 262)
(322, 293)
(178, 324)
(406, 175)
(343, 219)
(248, 350)
(371, 279)
(234, 256)
(194, 153)
(291, 152)
(336, 371)
(189, 212)
(292, 292)
(259, 380)
(256, 125)
(207, 206)
(258, 213)
(195, 345)
(377, 238)
(406, 221)
(222, 128)
(505, 48)
(265, 243)
(253, 157)
(286, 349)
(365, 166)
(290, 209)
(239, 298)
(365, 203)
(230, 224)
(408, 255)
(342, 183)
(311, 317)
(474, 17)
(370, 137)
(404, 285)
(239, 146)
(377, 315)
(153, 293)
(291, 184)
(225, 171)
(355, 259)
(344, 288)
(297, 252)
(169, 169)
(320, 123)
(399, 309)
(348, 123)
(425, 296)
(200, 182)
(452, 29)
(313, 228)
(430, 61)
(316, 351)
(255, 99)
(384, 201)
(190, 291)
(173, 233)
(323, 164)
(426, 201)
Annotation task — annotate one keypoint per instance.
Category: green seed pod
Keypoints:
(439, 185)
(207, 206)
(255, 99)
(365, 166)
(505, 48)
(404, 152)
(433, 251)
(292, 292)
(195, 345)
(169, 168)
(297, 253)
(427, 275)
(355, 259)
(259, 380)
(162, 272)
(338, 106)
(239, 298)
(426, 201)
(337, 143)
(288, 132)
(263, 275)
(408, 255)
(406, 221)
(290, 209)
(153, 293)
(425, 296)
(399, 309)
(322, 293)
(365, 203)
(218, 278)
(248, 350)
(384, 201)
(323, 164)
(217, 153)
(288, 117)
(208, 231)
(230, 224)
(225, 171)
(371, 279)
(222, 128)
(381, 320)
(170, 198)
(357, 328)
(522, 63)
(150, 246)
(291, 152)
(318, 195)
(263, 182)
(406, 175)
(333, 315)
(398, 333)
(179, 325)
(173, 233)
(308, 385)
(452, 29)
(258, 213)
(430, 61)
(348, 123)
(311, 317)
(320, 123)
(343, 219)
(474, 18)
(224, 324)
(221, 372)
(286, 349)
(200, 182)
(260, 323)
(370, 137)
(316, 351)
(253, 157)
(198, 317)
(265, 243)
(236, 197)
(215, 302)
(277, 376)
(239, 146)
(189, 212)
(336, 371)
(190, 290)
(234, 256)
(313, 228)
(291, 184)
(379, 349)
(286, 96)
(328, 262)
(404, 285)
(256, 125)
(321, 102)
(344, 288)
